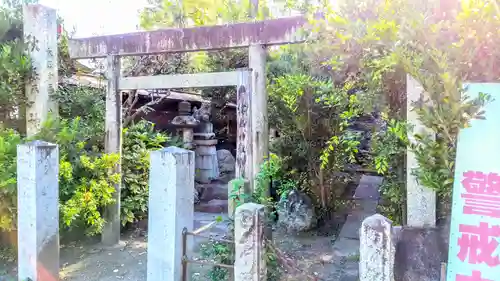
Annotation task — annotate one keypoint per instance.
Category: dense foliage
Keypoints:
(312, 116)
(15, 66)
(8, 149)
(355, 62)
(86, 181)
(89, 104)
(389, 150)
(85, 177)
(440, 46)
(139, 140)
(370, 46)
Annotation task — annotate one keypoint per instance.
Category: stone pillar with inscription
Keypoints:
(40, 29)
(244, 151)
(250, 245)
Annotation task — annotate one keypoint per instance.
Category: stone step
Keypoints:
(215, 206)
(212, 191)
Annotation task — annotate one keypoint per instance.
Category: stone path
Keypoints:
(330, 258)
(346, 247)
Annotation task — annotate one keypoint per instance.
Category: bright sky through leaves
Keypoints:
(98, 17)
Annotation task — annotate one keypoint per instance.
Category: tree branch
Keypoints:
(143, 109)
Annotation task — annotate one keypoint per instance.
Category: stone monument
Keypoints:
(206, 164)
(186, 123)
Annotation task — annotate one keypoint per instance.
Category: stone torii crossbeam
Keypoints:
(252, 116)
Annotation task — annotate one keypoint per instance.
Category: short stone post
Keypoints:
(38, 211)
(236, 189)
(377, 249)
(171, 209)
(250, 262)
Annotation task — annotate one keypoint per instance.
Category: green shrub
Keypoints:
(389, 148)
(86, 177)
(138, 140)
(89, 104)
(9, 140)
(86, 180)
(312, 115)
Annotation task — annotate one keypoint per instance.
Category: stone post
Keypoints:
(377, 249)
(243, 187)
(421, 201)
(38, 211)
(171, 188)
(250, 263)
(40, 27)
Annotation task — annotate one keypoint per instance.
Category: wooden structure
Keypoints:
(224, 115)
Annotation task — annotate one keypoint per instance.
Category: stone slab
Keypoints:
(345, 247)
(213, 191)
(419, 253)
(350, 229)
(368, 187)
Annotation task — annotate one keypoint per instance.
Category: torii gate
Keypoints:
(252, 117)
(252, 142)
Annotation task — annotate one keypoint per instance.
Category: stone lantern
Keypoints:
(186, 122)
